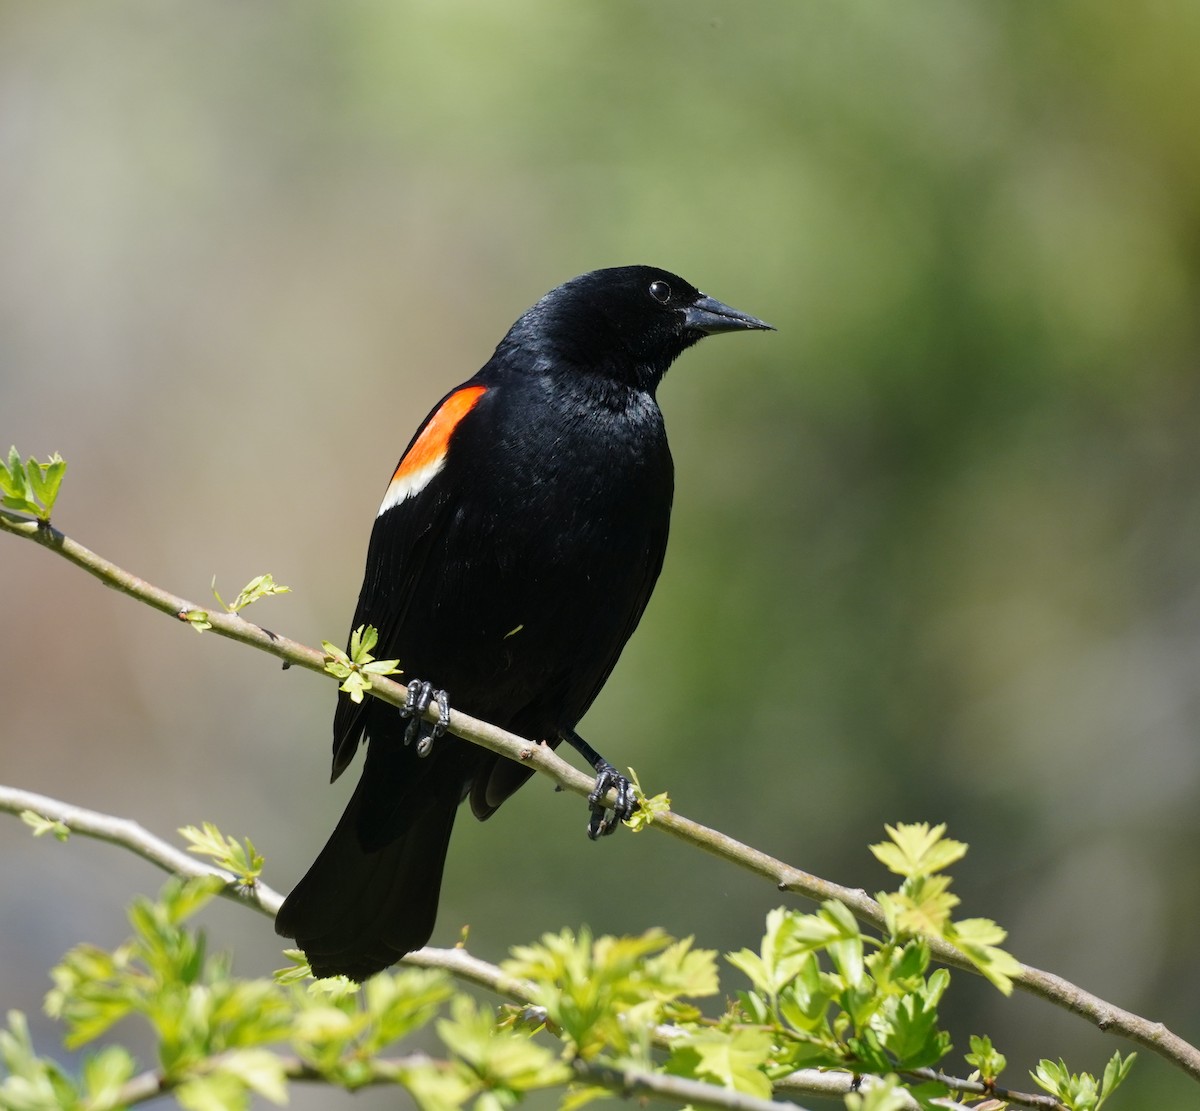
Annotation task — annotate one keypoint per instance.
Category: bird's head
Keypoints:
(626, 322)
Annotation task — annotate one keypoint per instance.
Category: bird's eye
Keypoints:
(660, 291)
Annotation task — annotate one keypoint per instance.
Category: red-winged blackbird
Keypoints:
(513, 554)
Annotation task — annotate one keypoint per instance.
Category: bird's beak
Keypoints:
(708, 315)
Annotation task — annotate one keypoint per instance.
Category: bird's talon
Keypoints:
(420, 696)
(603, 821)
(443, 721)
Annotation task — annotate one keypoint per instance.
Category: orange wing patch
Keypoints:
(427, 455)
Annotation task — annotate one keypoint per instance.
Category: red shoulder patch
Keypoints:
(427, 454)
(430, 446)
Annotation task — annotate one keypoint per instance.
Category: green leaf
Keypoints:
(985, 1059)
(33, 1084)
(502, 1060)
(356, 685)
(103, 1075)
(355, 667)
(198, 619)
(398, 1004)
(45, 480)
(778, 959)
(1115, 1072)
(41, 825)
(31, 487)
(243, 860)
(647, 808)
(260, 587)
(438, 1088)
(362, 640)
(805, 1001)
(979, 939)
(922, 906)
(297, 970)
(337, 663)
(733, 1059)
(607, 994)
(259, 1070)
(92, 991)
(214, 1091)
(1081, 1091)
(180, 898)
(14, 486)
(918, 849)
(910, 1032)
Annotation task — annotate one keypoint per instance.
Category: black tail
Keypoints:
(372, 894)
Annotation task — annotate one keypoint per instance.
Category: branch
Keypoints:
(835, 1085)
(128, 834)
(1053, 988)
(391, 1070)
(838, 1085)
(675, 1089)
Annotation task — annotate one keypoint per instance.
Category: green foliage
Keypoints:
(923, 905)
(887, 1095)
(42, 825)
(243, 860)
(502, 1067)
(731, 1058)
(987, 1061)
(198, 619)
(260, 587)
(605, 995)
(1082, 1092)
(31, 487)
(647, 808)
(822, 993)
(356, 667)
(222, 1039)
(826, 1004)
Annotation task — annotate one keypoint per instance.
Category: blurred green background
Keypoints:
(934, 553)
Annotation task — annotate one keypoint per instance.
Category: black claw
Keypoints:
(420, 696)
(604, 821)
(443, 722)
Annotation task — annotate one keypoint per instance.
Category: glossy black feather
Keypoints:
(512, 580)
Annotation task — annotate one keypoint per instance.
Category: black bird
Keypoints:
(514, 552)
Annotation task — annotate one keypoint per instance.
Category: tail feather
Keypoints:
(365, 902)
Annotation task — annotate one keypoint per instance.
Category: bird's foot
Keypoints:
(420, 696)
(603, 820)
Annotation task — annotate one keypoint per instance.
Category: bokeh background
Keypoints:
(936, 547)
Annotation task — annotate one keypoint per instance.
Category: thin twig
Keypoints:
(391, 1070)
(1053, 988)
(678, 1089)
(130, 835)
(837, 1085)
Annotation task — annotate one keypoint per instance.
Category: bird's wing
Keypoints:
(414, 512)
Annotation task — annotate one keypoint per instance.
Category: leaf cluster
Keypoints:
(240, 858)
(31, 487)
(1082, 1092)
(923, 906)
(356, 666)
(222, 1039)
(261, 586)
(605, 996)
(823, 993)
